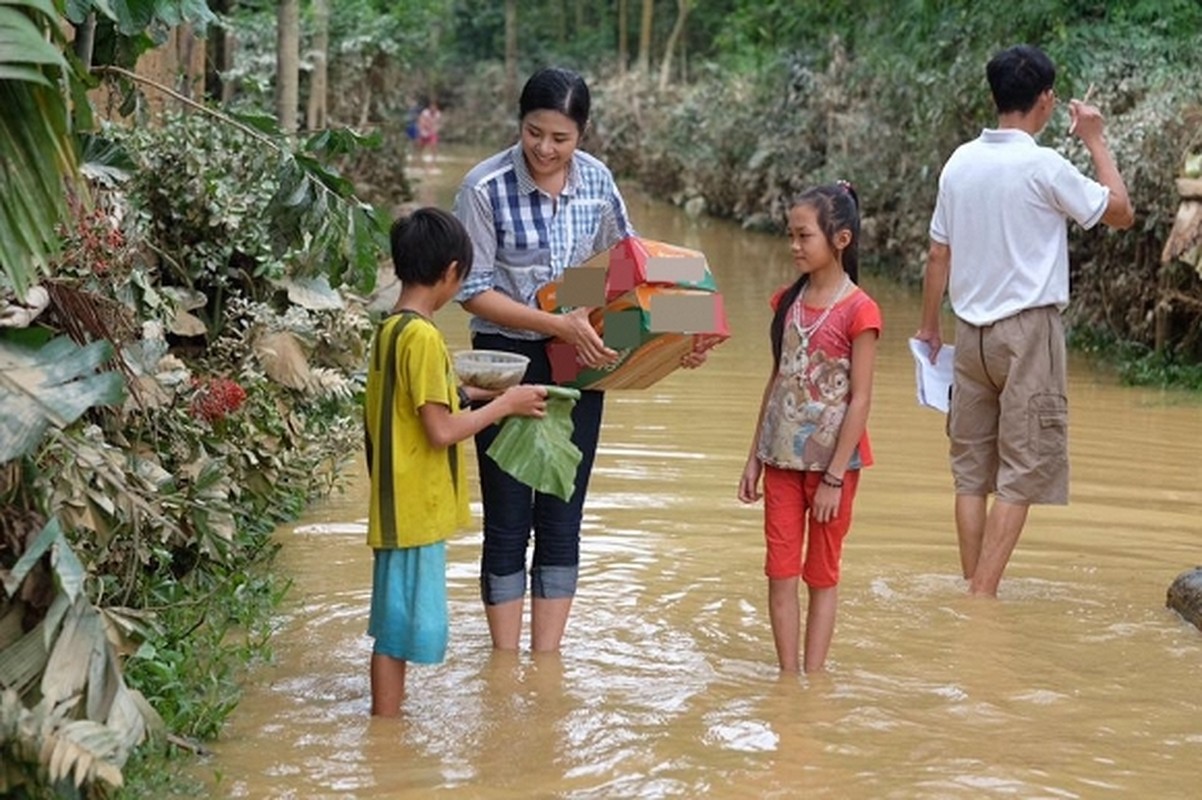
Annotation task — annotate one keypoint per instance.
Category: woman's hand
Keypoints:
(749, 484)
(579, 332)
(700, 351)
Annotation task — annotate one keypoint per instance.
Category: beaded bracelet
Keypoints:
(831, 481)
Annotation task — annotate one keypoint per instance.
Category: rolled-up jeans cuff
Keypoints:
(495, 589)
(553, 583)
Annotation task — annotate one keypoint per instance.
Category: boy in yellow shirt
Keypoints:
(415, 424)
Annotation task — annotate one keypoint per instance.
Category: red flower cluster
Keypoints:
(216, 398)
(94, 245)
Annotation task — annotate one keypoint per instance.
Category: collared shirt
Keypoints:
(1002, 209)
(523, 238)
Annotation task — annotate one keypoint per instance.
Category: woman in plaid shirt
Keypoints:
(532, 211)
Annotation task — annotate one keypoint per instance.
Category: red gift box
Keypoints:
(652, 302)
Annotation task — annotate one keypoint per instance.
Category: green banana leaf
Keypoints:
(539, 452)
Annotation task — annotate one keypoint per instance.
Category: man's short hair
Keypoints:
(1018, 76)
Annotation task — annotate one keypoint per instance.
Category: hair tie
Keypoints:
(851, 191)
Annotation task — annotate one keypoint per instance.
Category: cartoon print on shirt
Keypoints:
(831, 383)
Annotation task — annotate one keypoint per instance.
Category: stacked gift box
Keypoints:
(653, 303)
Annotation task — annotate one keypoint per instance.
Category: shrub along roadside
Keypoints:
(196, 383)
(740, 145)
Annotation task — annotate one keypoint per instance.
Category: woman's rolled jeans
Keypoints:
(512, 509)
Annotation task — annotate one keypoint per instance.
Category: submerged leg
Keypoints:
(970, 530)
(820, 626)
(387, 685)
(784, 610)
(1002, 528)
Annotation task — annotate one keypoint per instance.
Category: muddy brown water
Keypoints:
(1078, 683)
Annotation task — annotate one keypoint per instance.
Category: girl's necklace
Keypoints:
(807, 331)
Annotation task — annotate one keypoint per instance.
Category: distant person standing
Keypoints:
(429, 122)
(999, 246)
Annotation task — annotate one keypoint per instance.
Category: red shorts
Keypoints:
(788, 496)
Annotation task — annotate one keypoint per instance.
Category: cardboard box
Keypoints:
(653, 303)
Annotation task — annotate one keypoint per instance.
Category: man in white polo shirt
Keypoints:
(999, 246)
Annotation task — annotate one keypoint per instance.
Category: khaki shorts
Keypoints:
(1008, 422)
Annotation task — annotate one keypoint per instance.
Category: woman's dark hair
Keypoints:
(556, 89)
(1018, 76)
(837, 207)
(425, 243)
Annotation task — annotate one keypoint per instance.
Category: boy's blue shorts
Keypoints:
(409, 618)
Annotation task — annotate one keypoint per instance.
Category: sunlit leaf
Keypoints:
(53, 385)
(106, 161)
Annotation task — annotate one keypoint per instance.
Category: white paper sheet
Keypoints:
(933, 381)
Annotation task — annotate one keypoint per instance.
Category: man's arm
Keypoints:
(1088, 125)
(934, 284)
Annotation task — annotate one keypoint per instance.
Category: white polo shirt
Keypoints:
(1003, 207)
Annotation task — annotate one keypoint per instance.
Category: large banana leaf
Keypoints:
(540, 452)
(53, 385)
(37, 152)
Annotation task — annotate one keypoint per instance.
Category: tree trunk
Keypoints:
(645, 37)
(665, 67)
(623, 47)
(218, 54)
(85, 40)
(315, 119)
(511, 51)
(287, 93)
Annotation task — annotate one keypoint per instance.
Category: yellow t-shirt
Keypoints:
(418, 492)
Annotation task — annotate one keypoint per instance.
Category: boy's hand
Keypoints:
(525, 400)
(476, 395)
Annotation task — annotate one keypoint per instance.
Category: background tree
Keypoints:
(315, 118)
(674, 38)
(645, 27)
(287, 89)
(511, 50)
(623, 46)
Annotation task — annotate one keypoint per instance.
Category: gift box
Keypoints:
(652, 302)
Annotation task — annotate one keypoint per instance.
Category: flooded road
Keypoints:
(1077, 684)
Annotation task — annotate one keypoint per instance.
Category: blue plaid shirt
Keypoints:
(521, 240)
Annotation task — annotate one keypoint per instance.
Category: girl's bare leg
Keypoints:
(820, 626)
(784, 609)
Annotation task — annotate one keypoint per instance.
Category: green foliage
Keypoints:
(208, 628)
(231, 210)
(36, 150)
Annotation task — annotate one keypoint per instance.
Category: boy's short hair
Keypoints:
(425, 243)
(1018, 76)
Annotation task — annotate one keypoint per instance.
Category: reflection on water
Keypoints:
(1077, 684)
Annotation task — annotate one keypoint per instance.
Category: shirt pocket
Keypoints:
(584, 218)
(521, 273)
